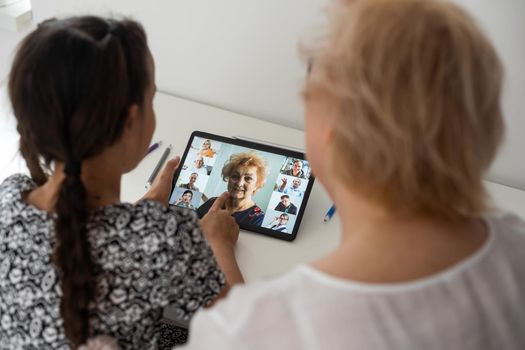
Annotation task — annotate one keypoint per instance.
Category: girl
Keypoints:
(185, 200)
(410, 89)
(74, 261)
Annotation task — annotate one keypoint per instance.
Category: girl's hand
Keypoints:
(218, 225)
(222, 232)
(161, 187)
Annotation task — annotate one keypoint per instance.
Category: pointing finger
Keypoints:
(220, 202)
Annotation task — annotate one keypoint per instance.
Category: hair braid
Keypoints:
(73, 258)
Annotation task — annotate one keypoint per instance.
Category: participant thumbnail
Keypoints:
(207, 148)
(197, 164)
(279, 221)
(296, 167)
(284, 203)
(185, 198)
(192, 181)
(293, 186)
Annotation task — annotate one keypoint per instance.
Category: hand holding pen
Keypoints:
(160, 182)
(158, 166)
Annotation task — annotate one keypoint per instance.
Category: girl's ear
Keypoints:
(132, 119)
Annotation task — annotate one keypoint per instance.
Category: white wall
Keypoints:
(242, 55)
(237, 54)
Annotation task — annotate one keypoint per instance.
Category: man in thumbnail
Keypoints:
(279, 223)
(296, 170)
(286, 206)
(185, 200)
(245, 173)
(293, 190)
(191, 183)
(199, 167)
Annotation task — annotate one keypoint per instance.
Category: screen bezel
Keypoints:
(258, 147)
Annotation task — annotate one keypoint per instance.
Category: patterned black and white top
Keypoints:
(150, 256)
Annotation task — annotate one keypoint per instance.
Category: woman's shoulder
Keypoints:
(16, 183)
(256, 210)
(508, 230)
(506, 221)
(252, 301)
(11, 191)
(144, 218)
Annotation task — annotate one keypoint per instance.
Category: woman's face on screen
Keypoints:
(186, 198)
(283, 219)
(242, 183)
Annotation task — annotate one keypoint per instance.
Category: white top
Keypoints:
(477, 304)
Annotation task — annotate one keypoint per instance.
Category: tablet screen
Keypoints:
(269, 186)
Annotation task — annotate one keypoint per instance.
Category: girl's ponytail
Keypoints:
(72, 256)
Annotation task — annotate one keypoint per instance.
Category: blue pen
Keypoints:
(330, 213)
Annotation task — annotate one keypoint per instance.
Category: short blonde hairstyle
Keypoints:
(417, 86)
(244, 160)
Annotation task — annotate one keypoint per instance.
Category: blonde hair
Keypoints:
(417, 86)
(243, 160)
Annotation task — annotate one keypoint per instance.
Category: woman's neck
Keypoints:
(235, 205)
(380, 247)
(100, 178)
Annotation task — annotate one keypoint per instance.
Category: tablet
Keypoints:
(269, 186)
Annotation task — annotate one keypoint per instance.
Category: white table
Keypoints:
(260, 256)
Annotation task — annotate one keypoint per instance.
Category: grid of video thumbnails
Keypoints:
(266, 189)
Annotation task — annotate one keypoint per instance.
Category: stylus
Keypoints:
(243, 138)
(158, 166)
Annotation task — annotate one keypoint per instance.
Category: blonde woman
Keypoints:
(410, 89)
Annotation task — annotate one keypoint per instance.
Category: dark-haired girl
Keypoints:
(75, 261)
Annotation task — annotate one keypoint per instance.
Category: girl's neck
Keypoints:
(100, 178)
(380, 247)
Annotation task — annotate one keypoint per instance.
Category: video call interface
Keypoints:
(266, 189)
